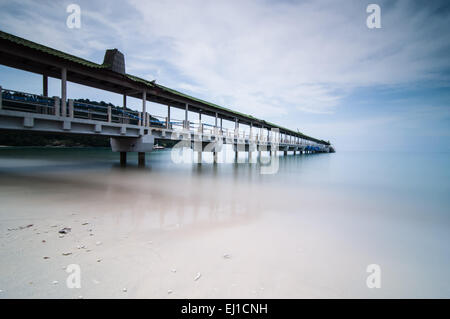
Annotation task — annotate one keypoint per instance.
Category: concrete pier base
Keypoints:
(199, 157)
(123, 159)
(141, 159)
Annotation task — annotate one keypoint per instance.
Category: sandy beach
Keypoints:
(198, 233)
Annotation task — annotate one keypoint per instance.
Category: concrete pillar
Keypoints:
(186, 116)
(215, 157)
(236, 154)
(1, 98)
(144, 107)
(123, 158)
(221, 128)
(123, 120)
(44, 85)
(140, 119)
(147, 118)
(215, 125)
(141, 159)
(285, 153)
(71, 108)
(56, 105)
(109, 113)
(250, 156)
(63, 91)
(63, 109)
(168, 117)
(251, 132)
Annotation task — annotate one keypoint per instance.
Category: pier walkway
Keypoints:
(129, 130)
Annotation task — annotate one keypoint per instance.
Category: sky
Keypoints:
(314, 66)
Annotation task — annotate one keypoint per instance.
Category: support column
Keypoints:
(123, 159)
(285, 153)
(63, 91)
(71, 108)
(144, 108)
(45, 85)
(199, 157)
(215, 157)
(250, 156)
(109, 113)
(216, 119)
(141, 159)
(186, 116)
(221, 128)
(168, 117)
(123, 119)
(1, 98)
(56, 105)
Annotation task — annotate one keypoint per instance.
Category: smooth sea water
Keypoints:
(320, 220)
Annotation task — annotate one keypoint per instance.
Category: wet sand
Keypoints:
(146, 234)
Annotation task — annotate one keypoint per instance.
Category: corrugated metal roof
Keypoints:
(81, 61)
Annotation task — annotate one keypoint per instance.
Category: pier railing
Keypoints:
(85, 109)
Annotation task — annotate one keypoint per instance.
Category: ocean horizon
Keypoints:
(308, 231)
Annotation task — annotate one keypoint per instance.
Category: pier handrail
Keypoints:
(102, 111)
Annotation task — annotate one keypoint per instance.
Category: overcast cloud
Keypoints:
(282, 60)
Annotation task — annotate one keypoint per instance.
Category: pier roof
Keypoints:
(23, 54)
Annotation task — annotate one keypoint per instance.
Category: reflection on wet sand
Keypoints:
(298, 233)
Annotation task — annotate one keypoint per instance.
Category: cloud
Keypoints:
(260, 57)
(267, 57)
